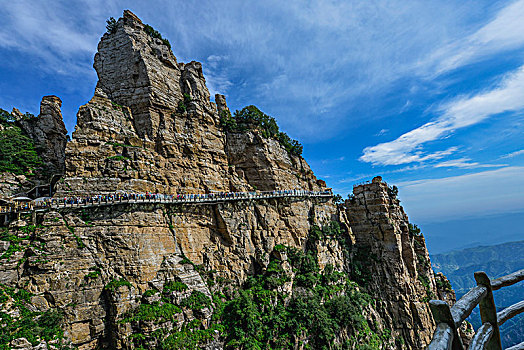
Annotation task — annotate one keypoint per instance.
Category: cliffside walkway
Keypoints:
(152, 198)
(449, 319)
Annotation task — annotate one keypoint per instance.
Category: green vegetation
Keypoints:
(414, 230)
(116, 106)
(175, 286)
(19, 241)
(425, 282)
(79, 243)
(155, 34)
(111, 25)
(250, 118)
(182, 105)
(393, 191)
(196, 301)
(94, 272)
(190, 335)
(17, 151)
(6, 118)
(115, 284)
(337, 199)
(185, 261)
(119, 158)
(443, 284)
(24, 322)
(155, 313)
(323, 304)
(291, 301)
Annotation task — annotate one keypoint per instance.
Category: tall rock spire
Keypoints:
(136, 68)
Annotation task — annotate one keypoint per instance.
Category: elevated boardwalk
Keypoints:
(140, 198)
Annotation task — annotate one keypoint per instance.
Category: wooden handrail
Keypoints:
(488, 336)
(442, 315)
(517, 347)
(482, 337)
(443, 337)
(510, 312)
(488, 311)
(462, 308)
(508, 280)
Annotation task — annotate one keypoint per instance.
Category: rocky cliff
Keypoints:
(44, 135)
(172, 276)
(151, 127)
(48, 133)
(396, 263)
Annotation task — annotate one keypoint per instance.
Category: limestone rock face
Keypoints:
(151, 127)
(137, 70)
(396, 261)
(49, 135)
(72, 256)
(266, 166)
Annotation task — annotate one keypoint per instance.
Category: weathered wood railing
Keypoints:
(487, 337)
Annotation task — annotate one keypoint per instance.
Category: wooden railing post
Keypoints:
(442, 314)
(488, 311)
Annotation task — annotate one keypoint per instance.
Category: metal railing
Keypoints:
(448, 319)
(138, 198)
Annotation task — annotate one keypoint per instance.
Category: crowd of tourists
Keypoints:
(157, 197)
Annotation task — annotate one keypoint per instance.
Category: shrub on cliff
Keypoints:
(111, 25)
(250, 118)
(6, 118)
(17, 151)
(322, 306)
(23, 321)
(156, 34)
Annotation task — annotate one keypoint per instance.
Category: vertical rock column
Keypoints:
(395, 260)
(49, 134)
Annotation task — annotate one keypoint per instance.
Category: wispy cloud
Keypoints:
(513, 154)
(480, 193)
(217, 81)
(457, 114)
(502, 33)
(465, 163)
(61, 42)
(382, 132)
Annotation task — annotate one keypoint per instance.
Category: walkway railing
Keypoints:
(132, 198)
(487, 336)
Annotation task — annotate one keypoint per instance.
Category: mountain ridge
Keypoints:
(295, 272)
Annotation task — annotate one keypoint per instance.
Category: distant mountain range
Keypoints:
(496, 261)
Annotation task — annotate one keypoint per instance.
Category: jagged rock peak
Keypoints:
(130, 16)
(48, 133)
(136, 68)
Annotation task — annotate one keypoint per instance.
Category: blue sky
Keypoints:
(428, 94)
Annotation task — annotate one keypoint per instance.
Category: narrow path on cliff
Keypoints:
(151, 198)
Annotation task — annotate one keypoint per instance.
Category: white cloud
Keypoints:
(513, 154)
(61, 41)
(502, 33)
(457, 114)
(465, 163)
(481, 193)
